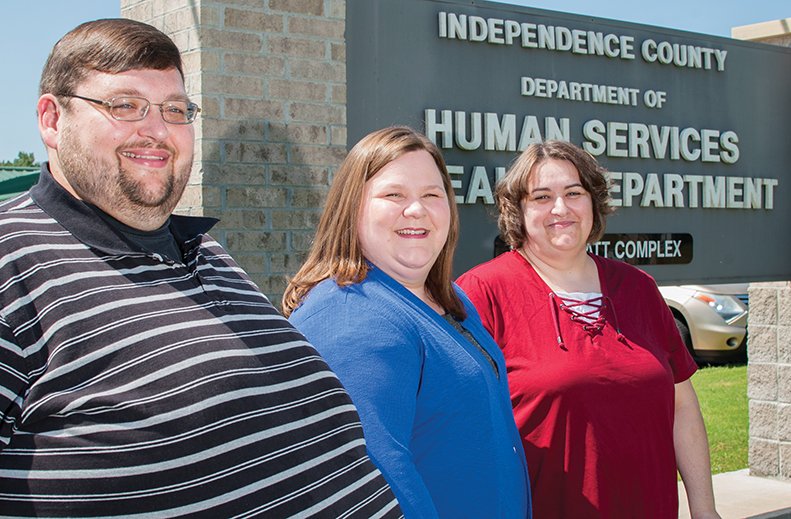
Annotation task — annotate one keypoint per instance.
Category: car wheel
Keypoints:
(683, 330)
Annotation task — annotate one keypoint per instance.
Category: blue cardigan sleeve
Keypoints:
(379, 363)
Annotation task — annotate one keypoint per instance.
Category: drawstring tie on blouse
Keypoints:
(592, 325)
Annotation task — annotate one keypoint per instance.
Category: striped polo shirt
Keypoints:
(134, 385)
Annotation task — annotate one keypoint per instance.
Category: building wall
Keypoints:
(270, 77)
(769, 336)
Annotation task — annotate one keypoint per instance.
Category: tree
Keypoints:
(22, 160)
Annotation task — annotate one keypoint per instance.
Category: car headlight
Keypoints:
(727, 307)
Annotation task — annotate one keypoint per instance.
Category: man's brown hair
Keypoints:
(111, 46)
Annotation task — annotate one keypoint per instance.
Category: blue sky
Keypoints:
(31, 29)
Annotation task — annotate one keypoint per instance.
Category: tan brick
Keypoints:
(329, 29)
(299, 175)
(231, 40)
(784, 385)
(298, 133)
(249, 197)
(317, 155)
(762, 381)
(209, 150)
(764, 457)
(287, 264)
(311, 197)
(763, 304)
(233, 85)
(137, 11)
(314, 7)
(200, 196)
(783, 344)
(297, 47)
(762, 343)
(248, 130)
(338, 94)
(192, 197)
(253, 65)
(212, 196)
(298, 220)
(263, 281)
(161, 7)
(255, 152)
(784, 422)
(244, 3)
(244, 174)
(301, 241)
(191, 62)
(338, 136)
(275, 286)
(318, 113)
(253, 20)
(192, 84)
(336, 9)
(209, 108)
(236, 219)
(785, 451)
(186, 41)
(209, 15)
(319, 71)
(235, 108)
(297, 90)
(784, 307)
(763, 420)
(178, 19)
(250, 241)
(251, 263)
(338, 52)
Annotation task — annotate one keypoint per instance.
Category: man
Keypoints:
(141, 371)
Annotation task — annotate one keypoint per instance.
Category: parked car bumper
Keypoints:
(711, 336)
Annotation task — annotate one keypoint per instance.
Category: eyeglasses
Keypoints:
(131, 108)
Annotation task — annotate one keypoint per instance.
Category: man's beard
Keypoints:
(105, 184)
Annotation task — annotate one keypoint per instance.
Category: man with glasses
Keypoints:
(142, 373)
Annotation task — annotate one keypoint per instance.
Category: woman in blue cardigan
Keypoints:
(375, 298)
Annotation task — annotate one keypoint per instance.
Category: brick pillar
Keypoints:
(769, 379)
(769, 335)
(270, 77)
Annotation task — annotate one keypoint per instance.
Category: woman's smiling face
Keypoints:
(404, 219)
(558, 211)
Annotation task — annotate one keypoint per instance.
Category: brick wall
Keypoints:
(769, 379)
(270, 77)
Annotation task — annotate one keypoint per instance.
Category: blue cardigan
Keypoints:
(436, 416)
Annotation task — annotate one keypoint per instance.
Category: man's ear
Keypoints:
(49, 112)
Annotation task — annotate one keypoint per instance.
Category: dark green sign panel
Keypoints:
(693, 128)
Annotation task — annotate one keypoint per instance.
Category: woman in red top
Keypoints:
(598, 374)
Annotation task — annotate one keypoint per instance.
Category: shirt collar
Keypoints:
(81, 220)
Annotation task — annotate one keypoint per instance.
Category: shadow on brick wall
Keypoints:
(267, 183)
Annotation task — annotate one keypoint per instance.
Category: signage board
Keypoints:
(693, 129)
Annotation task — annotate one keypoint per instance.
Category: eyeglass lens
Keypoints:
(136, 108)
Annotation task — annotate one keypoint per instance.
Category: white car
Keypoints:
(712, 320)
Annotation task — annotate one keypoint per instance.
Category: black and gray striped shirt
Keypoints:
(132, 385)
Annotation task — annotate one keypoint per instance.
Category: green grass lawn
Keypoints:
(722, 392)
